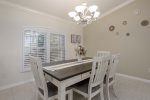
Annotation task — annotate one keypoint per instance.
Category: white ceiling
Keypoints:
(60, 8)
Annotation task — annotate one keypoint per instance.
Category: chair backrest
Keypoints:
(36, 66)
(103, 53)
(99, 68)
(113, 64)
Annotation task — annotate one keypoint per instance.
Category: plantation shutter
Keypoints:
(57, 47)
(34, 45)
(47, 46)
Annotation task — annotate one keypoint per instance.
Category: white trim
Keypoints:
(48, 31)
(31, 80)
(15, 84)
(117, 8)
(45, 29)
(59, 18)
(33, 11)
(134, 78)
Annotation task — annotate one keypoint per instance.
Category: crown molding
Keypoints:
(59, 18)
(117, 8)
(33, 11)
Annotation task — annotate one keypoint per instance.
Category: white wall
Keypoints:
(12, 22)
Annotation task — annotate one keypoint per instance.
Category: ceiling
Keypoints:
(60, 8)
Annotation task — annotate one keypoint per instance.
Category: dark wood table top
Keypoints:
(66, 73)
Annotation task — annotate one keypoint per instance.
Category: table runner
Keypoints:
(66, 65)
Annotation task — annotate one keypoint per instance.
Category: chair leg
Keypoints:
(89, 97)
(102, 94)
(106, 93)
(70, 95)
(45, 98)
(37, 95)
(114, 91)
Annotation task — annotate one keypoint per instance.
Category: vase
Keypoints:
(79, 59)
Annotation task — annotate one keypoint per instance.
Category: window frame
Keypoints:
(48, 31)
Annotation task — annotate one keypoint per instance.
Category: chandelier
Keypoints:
(84, 14)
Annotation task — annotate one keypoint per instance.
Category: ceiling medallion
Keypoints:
(84, 14)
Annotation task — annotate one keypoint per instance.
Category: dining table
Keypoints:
(66, 73)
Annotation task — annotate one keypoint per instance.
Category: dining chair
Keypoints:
(93, 86)
(46, 90)
(103, 53)
(111, 76)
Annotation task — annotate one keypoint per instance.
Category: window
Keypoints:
(48, 46)
(57, 47)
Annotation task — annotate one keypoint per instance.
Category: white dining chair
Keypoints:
(46, 90)
(111, 76)
(103, 53)
(93, 86)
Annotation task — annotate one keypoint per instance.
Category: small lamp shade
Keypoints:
(96, 14)
(72, 14)
(80, 8)
(93, 8)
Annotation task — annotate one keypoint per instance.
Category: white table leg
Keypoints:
(107, 85)
(70, 95)
(61, 93)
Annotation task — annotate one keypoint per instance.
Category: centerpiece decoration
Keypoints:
(80, 52)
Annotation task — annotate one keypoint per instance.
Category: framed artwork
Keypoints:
(78, 38)
(75, 38)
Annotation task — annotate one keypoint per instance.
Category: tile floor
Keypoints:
(127, 89)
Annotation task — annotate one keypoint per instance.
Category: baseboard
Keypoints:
(15, 84)
(118, 74)
(134, 78)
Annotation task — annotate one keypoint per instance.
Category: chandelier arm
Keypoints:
(80, 15)
(92, 15)
(86, 11)
(85, 16)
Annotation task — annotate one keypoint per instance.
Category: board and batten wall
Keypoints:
(13, 19)
(134, 49)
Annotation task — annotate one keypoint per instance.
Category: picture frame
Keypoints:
(78, 38)
(75, 38)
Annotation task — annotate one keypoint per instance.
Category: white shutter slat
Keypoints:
(57, 47)
(35, 45)
(48, 46)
